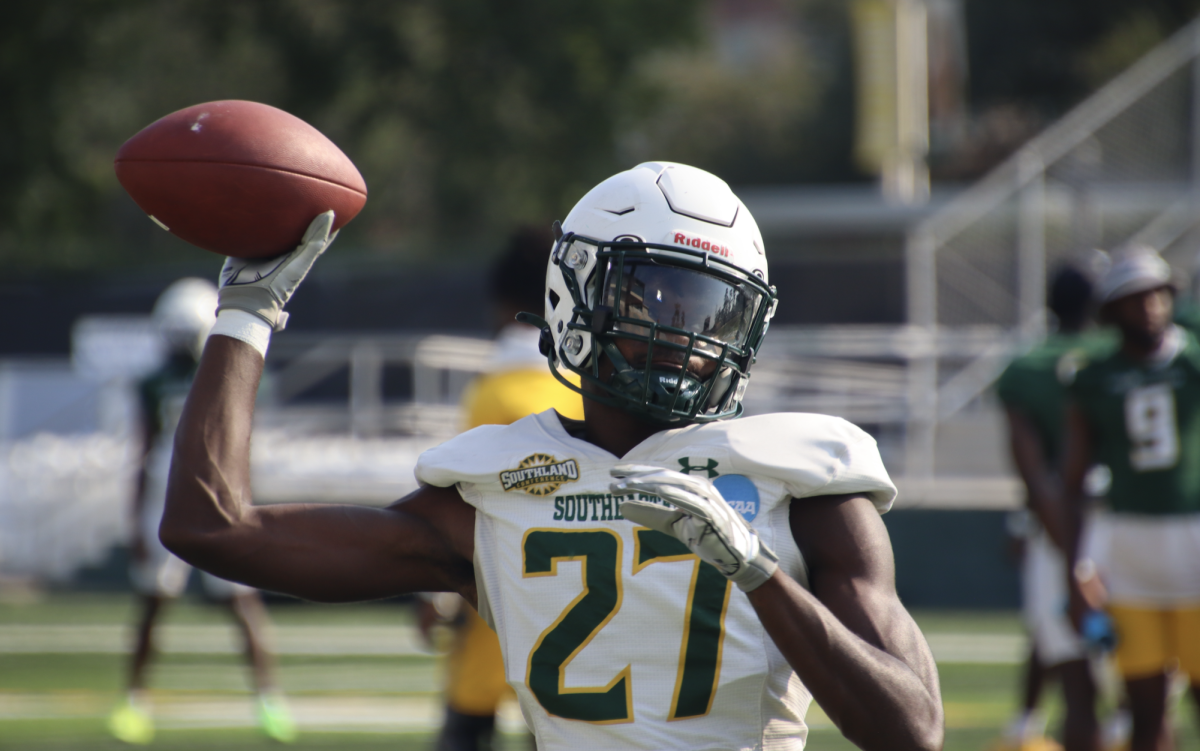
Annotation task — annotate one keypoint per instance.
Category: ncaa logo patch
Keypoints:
(740, 493)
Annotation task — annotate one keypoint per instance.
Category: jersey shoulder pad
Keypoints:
(480, 454)
(811, 454)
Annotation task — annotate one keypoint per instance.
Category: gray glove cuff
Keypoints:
(755, 572)
(256, 300)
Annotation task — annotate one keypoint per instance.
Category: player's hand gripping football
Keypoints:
(262, 286)
(700, 519)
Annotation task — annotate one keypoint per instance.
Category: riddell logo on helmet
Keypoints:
(692, 241)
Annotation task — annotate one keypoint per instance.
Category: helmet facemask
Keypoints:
(668, 333)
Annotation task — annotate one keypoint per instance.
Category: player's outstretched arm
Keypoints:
(850, 639)
(329, 553)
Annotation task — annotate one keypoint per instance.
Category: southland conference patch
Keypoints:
(540, 474)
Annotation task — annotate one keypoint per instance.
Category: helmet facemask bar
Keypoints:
(690, 323)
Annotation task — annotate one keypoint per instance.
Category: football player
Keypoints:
(660, 574)
(1033, 391)
(1138, 411)
(183, 315)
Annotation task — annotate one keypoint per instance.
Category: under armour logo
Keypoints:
(710, 467)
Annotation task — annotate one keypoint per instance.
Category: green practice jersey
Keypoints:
(1035, 384)
(163, 393)
(1145, 425)
(1187, 314)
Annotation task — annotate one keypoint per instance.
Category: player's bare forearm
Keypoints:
(1028, 455)
(341, 553)
(319, 552)
(1077, 458)
(882, 698)
(208, 492)
(850, 640)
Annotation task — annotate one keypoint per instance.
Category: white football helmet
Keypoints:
(184, 313)
(662, 270)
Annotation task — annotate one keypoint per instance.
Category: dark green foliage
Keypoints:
(1052, 54)
(464, 116)
(468, 117)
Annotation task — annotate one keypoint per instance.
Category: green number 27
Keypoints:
(599, 552)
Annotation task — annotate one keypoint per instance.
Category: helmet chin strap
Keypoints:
(720, 389)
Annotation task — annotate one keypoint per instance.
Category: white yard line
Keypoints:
(978, 649)
(379, 641)
(212, 639)
(360, 714)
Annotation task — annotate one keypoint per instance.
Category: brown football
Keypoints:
(238, 178)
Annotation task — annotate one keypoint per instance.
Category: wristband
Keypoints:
(243, 326)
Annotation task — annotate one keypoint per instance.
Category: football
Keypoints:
(238, 178)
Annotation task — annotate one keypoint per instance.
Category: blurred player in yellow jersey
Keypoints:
(518, 383)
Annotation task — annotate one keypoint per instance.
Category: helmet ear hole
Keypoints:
(554, 298)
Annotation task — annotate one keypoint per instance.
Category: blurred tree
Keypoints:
(469, 116)
(1030, 61)
(767, 96)
(474, 114)
(463, 115)
(77, 79)
(1052, 54)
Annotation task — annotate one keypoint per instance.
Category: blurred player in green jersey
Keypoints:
(1138, 411)
(1033, 391)
(183, 314)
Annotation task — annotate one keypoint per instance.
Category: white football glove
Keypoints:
(262, 286)
(701, 519)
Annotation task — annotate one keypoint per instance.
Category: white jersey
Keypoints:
(616, 636)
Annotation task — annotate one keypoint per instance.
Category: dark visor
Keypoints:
(681, 299)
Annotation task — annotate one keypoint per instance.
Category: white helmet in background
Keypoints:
(1135, 269)
(184, 313)
(665, 259)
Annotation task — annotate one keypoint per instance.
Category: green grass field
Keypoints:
(351, 684)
